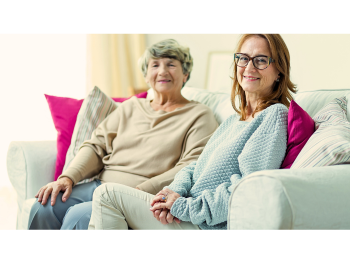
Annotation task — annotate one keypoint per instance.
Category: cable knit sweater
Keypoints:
(235, 150)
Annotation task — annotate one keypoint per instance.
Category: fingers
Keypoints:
(66, 194)
(41, 193)
(46, 195)
(169, 217)
(156, 214)
(157, 199)
(158, 206)
(56, 189)
(162, 216)
(37, 194)
(161, 192)
(165, 217)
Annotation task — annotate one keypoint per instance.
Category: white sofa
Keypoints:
(309, 198)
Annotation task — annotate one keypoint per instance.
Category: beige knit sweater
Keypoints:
(140, 147)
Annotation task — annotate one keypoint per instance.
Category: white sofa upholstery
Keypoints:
(30, 165)
(310, 198)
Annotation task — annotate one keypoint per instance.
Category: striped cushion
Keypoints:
(330, 144)
(95, 108)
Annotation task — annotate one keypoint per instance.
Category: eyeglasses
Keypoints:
(259, 62)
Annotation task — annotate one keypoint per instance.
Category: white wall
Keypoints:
(200, 45)
(313, 62)
(31, 65)
(319, 61)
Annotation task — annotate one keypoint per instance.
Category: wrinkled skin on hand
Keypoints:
(161, 208)
(63, 184)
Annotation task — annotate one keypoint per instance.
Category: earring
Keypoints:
(277, 80)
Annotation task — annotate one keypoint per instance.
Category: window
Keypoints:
(31, 66)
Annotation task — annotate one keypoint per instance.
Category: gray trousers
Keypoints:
(75, 213)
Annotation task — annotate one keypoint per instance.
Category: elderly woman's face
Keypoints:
(165, 75)
(256, 81)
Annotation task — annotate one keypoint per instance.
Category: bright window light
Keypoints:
(31, 66)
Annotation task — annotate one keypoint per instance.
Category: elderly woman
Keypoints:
(254, 139)
(142, 144)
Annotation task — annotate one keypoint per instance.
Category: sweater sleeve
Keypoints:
(264, 150)
(194, 142)
(210, 207)
(183, 180)
(88, 161)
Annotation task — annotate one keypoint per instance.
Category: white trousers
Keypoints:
(116, 206)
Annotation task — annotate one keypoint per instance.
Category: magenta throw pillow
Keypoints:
(140, 95)
(64, 112)
(300, 128)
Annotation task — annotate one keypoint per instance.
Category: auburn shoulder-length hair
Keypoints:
(281, 92)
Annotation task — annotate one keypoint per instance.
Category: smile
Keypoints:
(250, 78)
(164, 81)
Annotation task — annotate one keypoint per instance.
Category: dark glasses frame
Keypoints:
(270, 60)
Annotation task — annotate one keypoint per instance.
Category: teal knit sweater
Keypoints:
(235, 150)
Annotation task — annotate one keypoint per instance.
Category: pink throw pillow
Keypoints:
(64, 112)
(140, 96)
(300, 128)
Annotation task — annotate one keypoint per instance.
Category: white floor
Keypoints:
(8, 208)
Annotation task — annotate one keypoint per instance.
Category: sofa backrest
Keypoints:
(220, 103)
(313, 101)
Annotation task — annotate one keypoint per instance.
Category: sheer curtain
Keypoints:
(112, 63)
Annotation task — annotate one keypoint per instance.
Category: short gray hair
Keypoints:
(168, 48)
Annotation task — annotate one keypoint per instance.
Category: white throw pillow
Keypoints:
(95, 108)
(330, 143)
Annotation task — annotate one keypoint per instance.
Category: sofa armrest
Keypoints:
(307, 198)
(30, 165)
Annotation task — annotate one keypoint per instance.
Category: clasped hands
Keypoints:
(161, 205)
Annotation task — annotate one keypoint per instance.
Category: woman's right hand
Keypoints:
(63, 184)
(164, 216)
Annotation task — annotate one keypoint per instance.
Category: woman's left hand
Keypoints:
(161, 205)
(164, 199)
